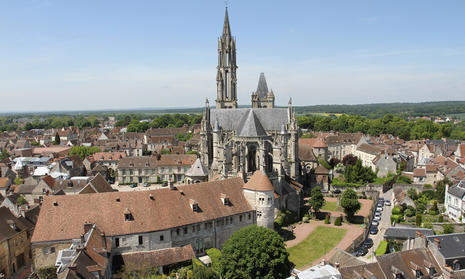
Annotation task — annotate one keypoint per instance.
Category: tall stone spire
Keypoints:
(226, 28)
(226, 76)
(262, 98)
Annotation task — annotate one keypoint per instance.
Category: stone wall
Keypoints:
(45, 254)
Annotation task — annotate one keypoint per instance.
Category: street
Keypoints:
(384, 223)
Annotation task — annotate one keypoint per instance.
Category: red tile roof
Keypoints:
(62, 217)
(160, 257)
(259, 182)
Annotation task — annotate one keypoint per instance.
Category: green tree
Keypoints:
(403, 180)
(317, 201)
(448, 228)
(255, 252)
(215, 255)
(350, 203)
(83, 151)
(412, 193)
(57, 139)
(358, 173)
(48, 272)
(418, 220)
(21, 200)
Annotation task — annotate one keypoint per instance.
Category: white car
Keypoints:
(377, 218)
(379, 208)
(374, 223)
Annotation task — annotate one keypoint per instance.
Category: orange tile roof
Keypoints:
(259, 182)
(62, 217)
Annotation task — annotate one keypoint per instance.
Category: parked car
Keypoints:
(377, 216)
(165, 184)
(374, 230)
(387, 203)
(362, 251)
(379, 209)
(133, 185)
(374, 223)
(146, 184)
(368, 243)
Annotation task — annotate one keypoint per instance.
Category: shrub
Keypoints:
(409, 212)
(440, 219)
(327, 219)
(215, 255)
(448, 228)
(396, 211)
(338, 221)
(396, 218)
(305, 219)
(434, 210)
(382, 248)
(427, 225)
(48, 272)
(418, 220)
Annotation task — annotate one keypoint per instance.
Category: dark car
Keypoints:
(373, 230)
(133, 185)
(362, 251)
(337, 191)
(368, 243)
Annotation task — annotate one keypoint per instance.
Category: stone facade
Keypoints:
(236, 142)
(45, 254)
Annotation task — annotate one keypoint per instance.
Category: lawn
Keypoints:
(316, 245)
(331, 206)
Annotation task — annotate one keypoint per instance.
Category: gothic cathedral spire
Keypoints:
(226, 79)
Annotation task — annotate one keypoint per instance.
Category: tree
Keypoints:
(350, 203)
(215, 256)
(48, 272)
(358, 174)
(440, 192)
(255, 252)
(57, 139)
(418, 220)
(83, 151)
(317, 201)
(404, 180)
(448, 228)
(21, 200)
(333, 162)
(349, 159)
(412, 193)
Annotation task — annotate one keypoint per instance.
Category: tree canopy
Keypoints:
(359, 174)
(317, 201)
(255, 252)
(350, 203)
(83, 151)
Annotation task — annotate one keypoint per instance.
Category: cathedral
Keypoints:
(237, 142)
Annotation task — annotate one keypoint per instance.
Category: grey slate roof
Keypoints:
(458, 190)
(262, 88)
(405, 233)
(271, 119)
(197, 169)
(250, 126)
(450, 245)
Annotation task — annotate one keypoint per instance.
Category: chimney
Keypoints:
(437, 242)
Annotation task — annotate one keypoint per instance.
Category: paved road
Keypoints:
(383, 225)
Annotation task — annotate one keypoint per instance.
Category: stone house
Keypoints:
(384, 165)
(367, 154)
(155, 142)
(342, 144)
(154, 169)
(419, 176)
(15, 235)
(108, 159)
(202, 215)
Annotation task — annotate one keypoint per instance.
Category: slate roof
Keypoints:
(262, 88)
(404, 233)
(271, 119)
(450, 245)
(306, 153)
(6, 217)
(458, 190)
(250, 126)
(197, 169)
(165, 209)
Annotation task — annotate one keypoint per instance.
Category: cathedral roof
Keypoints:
(250, 126)
(262, 88)
(259, 182)
(271, 119)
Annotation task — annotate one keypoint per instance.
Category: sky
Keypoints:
(119, 54)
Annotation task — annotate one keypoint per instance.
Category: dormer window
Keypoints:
(194, 205)
(128, 215)
(225, 199)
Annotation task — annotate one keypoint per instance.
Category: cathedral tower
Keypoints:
(226, 79)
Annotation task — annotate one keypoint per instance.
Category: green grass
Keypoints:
(316, 245)
(382, 248)
(331, 206)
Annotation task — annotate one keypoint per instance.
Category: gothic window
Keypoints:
(251, 158)
(259, 214)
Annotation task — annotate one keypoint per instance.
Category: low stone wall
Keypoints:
(361, 189)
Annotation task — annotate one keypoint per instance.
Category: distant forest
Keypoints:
(379, 110)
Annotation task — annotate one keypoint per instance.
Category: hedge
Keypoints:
(338, 221)
(396, 218)
(382, 248)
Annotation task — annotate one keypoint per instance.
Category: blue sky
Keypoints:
(75, 55)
